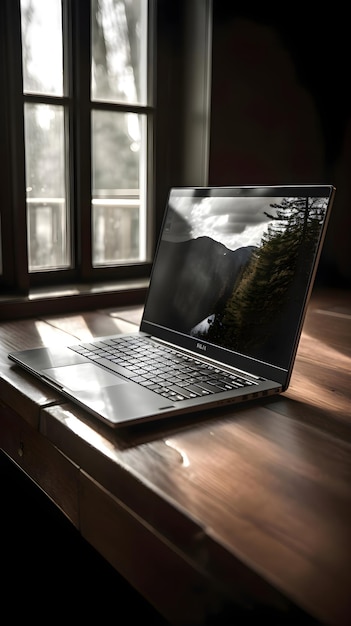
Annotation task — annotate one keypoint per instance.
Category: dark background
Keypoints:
(280, 109)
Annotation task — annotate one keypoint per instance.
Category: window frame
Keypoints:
(78, 107)
(181, 36)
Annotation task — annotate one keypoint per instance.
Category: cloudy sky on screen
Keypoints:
(234, 222)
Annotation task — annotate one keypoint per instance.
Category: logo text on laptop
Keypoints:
(201, 346)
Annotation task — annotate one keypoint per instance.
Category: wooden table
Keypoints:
(245, 513)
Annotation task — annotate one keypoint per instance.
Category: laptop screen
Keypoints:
(233, 268)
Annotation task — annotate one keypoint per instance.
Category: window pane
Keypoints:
(119, 50)
(47, 214)
(119, 163)
(42, 46)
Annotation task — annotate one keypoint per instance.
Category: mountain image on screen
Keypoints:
(238, 299)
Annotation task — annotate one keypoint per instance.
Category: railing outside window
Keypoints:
(116, 230)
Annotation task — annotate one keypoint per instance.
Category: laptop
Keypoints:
(228, 292)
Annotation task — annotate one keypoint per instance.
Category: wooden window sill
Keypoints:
(71, 298)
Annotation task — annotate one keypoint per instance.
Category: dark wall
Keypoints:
(280, 110)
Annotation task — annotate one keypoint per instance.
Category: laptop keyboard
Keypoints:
(164, 370)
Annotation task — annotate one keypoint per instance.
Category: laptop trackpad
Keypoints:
(84, 376)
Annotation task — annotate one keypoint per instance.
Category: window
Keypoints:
(91, 142)
(76, 204)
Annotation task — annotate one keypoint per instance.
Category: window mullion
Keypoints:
(80, 85)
